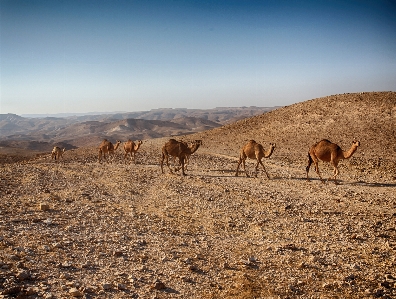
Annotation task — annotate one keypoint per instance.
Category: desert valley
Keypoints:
(74, 227)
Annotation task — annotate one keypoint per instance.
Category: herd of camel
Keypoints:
(323, 150)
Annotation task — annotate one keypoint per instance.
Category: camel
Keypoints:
(57, 153)
(187, 157)
(254, 150)
(329, 152)
(131, 148)
(107, 147)
(180, 150)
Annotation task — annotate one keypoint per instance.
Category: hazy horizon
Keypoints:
(39, 115)
(62, 57)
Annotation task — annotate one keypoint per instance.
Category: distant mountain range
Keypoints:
(40, 133)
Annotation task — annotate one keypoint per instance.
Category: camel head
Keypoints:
(138, 144)
(356, 143)
(268, 153)
(194, 146)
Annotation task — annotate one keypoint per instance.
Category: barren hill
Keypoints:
(369, 117)
(79, 228)
(86, 130)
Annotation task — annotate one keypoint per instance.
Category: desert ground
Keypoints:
(80, 228)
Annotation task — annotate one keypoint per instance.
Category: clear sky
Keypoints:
(65, 56)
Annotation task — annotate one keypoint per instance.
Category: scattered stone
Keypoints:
(24, 275)
(118, 253)
(158, 285)
(44, 207)
(121, 287)
(75, 292)
(48, 221)
(107, 286)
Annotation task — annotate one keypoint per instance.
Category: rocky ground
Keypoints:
(117, 230)
(79, 228)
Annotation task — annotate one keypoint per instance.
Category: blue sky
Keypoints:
(101, 56)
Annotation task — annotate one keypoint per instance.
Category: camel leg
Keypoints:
(239, 164)
(186, 162)
(256, 168)
(244, 166)
(314, 159)
(264, 169)
(182, 165)
(162, 163)
(165, 157)
(308, 166)
(167, 163)
(336, 172)
(317, 171)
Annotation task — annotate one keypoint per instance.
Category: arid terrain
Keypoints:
(38, 133)
(84, 229)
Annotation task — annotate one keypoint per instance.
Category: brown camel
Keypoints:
(187, 157)
(57, 153)
(254, 150)
(131, 148)
(329, 152)
(178, 149)
(107, 147)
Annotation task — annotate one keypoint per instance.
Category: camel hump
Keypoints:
(322, 142)
(325, 140)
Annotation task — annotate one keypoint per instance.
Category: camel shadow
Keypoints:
(353, 183)
(362, 183)
(170, 291)
(342, 182)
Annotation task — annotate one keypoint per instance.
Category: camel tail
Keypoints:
(310, 161)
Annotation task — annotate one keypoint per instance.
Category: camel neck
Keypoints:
(194, 148)
(269, 152)
(350, 152)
